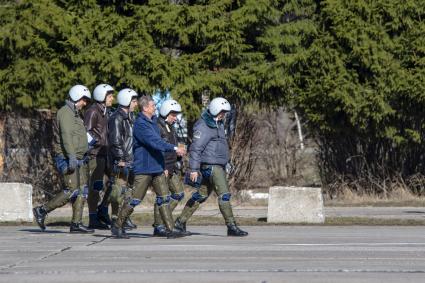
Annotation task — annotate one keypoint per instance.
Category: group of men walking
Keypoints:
(135, 153)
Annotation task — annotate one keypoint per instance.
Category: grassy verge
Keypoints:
(346, 221)
(146, 219)
(397, 197)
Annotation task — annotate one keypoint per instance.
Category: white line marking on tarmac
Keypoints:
(300, 245)
(190, 271)
(318, 245)
(356, 244)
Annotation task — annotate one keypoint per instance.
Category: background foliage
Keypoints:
(353, 69)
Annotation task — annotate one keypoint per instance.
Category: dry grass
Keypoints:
(346, 221)
(399, 196)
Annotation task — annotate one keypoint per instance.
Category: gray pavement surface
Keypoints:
(269, 254)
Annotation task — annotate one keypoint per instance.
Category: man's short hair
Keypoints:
(144, 101)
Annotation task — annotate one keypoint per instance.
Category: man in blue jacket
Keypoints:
(208, 156)
(148, 165)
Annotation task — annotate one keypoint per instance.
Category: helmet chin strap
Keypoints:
(168, 120)
(75, 109)
(216, 120)
(104, 106)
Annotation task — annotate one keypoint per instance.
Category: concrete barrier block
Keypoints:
(295, 205)
(15, 202)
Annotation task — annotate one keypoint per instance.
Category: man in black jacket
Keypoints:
(168, 116)
(120, 138)
(96, 122)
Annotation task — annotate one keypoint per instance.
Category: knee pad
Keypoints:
(134, 202)
(198, 197)
(85, 191)
(73, 195)
(124, 190)
(98, 185)
(225, 197)
(178, 197)
(161, 200)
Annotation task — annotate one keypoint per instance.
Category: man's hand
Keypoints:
(166, 173)
(72, 164)
(123, 168)
(181, 151)
(194, 176)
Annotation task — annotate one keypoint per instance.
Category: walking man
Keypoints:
(149, 169)
(71, 145)
(168, 116)
(120, 138)
(208, 156)
(96, 122)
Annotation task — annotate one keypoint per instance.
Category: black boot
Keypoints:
(79, 228)
(40, 215)
(103, 215)
(181, 227)
(174, 234)
(117, 232)
(94, 223)
(233, 230)
(160, 231)
(129, 225)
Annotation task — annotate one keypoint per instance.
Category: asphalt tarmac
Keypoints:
(269, 254)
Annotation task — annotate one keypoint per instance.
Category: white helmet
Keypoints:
(217, 105)
(100, 92)
(79, 91)
(169, 106)
(125, 96)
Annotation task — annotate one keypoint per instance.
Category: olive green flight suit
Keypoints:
(121, 191)
(217, 182)
(71, 193)
(141, 185)
(97, 169)
(175, 185)
(71, 140)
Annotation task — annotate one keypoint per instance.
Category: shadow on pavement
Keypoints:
(37, 230)
(206, 234)
(59, 223)
(414, 212)
(132, 235)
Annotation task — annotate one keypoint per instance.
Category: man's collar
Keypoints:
(102, 107)
(151, 120)
(71, 105)
(123, 113)
(209, 119)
